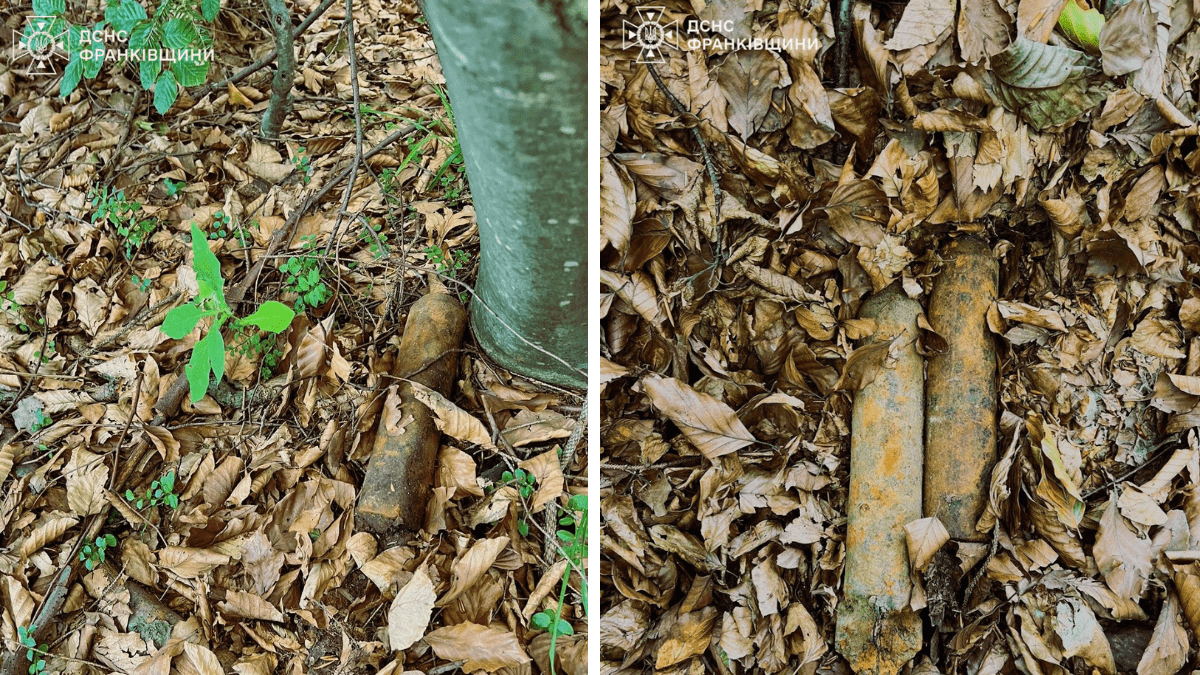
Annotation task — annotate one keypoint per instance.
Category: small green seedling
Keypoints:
(93, 555)
(142, 284)
(376, 242)
(301, 162)
(173, 187)
(208, 356)
(34, 653)
(304, 279)
(251, 344)
(41, 422)
(221, 226)
(575, 548)
(448, 263)
(161, 491)
(121, 213)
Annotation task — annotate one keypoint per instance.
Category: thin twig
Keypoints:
(116, 157)
(1157, 452)
(358, 132)
(681, 110)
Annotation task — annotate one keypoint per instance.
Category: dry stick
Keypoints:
(843, 35)
(266, 60)
(358, 132)
(116, 158)
(682, 111)
(549, 545)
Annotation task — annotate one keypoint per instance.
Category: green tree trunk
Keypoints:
(517, 78)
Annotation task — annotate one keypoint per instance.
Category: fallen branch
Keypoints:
(281, 84)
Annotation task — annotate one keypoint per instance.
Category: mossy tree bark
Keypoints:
(517, 78)
(285, 69)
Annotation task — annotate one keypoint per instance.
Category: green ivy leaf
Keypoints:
(210, 8)
(272, 317)
(165, 92)
(208, 269)
(124, 14)
(181, 320)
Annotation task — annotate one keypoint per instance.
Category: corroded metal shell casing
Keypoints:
(960, 390)
(877, 631)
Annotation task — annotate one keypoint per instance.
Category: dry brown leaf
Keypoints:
(547, 469)
(618, 202)
(87, 477)
(1122, 556)
(857, 211)
(249, 606)
(924, 538)
(528, 427)
(471, 566)
(451, 419)
(482, 648)
(456, 470)
(922, 22)
(686, 637)
(636, 290)
(708, 424)
(409, 614)
(1081, 635)
(748, 79)
(1168, 648)
(50, 529)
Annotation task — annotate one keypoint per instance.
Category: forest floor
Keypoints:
(730, 325)
(243, 556)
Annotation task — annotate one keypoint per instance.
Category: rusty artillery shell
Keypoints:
(877, 631)
(960, 392)
(399, 477)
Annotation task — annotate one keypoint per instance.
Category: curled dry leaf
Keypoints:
(451, 419)
(924, 538)
(1122, 556)
(708, 424)
(473, 564)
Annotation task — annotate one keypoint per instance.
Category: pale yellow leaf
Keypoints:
(409, 614)
(451, 419)
(708, 424)
(482, 647)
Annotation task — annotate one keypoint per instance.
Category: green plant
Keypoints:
(93, 555)
(173, 187)
(303, 277)
(525, 485)
(41, 422)
(121, 213)
(448, 263)
(251, 344)
(375, 238)
(208, 356)
(575, 549)
(175, 31)
(34, 653)
(9, 306)
(161, 491)
(300, 161)
(142, 284)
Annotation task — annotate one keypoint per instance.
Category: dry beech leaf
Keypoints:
(87, 476)
(1168, 648)
(528, 427)
(687, 636)
(1081, 635)
(249, 606)
(384, 568)
(1122, 556)
(636, 290)
(203, 660)
(409, 614)
(618, 202)
(708, 424)
(456, 470)
(53, 527)
(925, 537)
(922, 22)
(548, 472)
(473, 564)
(451, 419)
(220, 483)
(857, 211)
(482, 647)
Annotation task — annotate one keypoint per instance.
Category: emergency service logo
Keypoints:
(42, 42)
(649, 34)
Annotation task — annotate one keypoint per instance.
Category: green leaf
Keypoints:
(49, 7)
(92, 65)
(190, 73)
(179, 33)
(165, 92)
(565, 628)
(110, 540)
(71, 76)
(541, 620)
(197, 371)
(148, 72)
(124, 14)
(1082, 27)
(139, 37)
(210, 8)
(181, 320)
(208, 269)
(578, 503)
(168, 481)
(272, 317)
(173, 501)
(216, 354)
